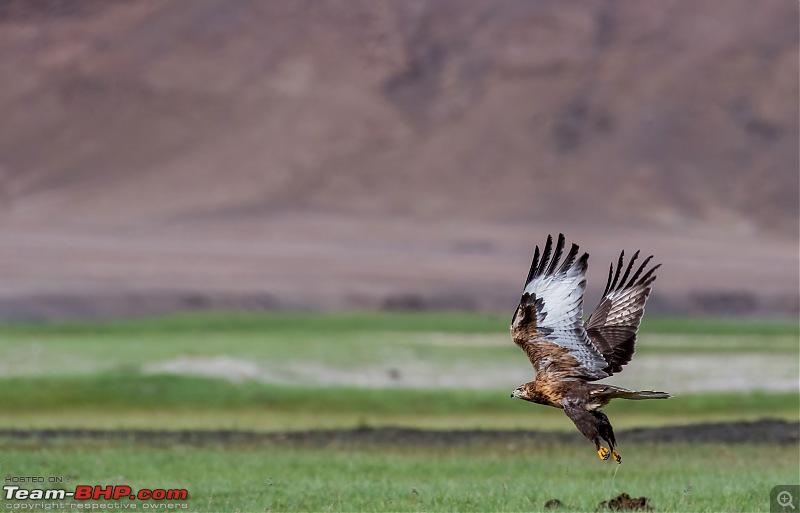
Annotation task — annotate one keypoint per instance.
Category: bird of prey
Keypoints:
(568, 355)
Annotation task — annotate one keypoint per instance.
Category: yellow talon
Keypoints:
(603, 453)
(616, 456)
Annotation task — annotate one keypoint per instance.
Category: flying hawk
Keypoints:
(568, 354)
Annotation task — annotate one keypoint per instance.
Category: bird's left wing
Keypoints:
(613, 325)
(548, 323)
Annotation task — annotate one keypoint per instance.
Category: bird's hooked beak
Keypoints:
(516, 393)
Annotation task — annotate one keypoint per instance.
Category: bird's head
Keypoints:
(521, 392)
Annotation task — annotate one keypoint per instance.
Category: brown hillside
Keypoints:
(163, 154)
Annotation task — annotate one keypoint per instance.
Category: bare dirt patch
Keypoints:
(689, 373)
(624, 502)
(224, 367)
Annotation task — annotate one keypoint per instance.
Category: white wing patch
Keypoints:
(557, 293)
(562, 296)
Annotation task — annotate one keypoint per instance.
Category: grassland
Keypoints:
(279, 341)
(508, 477)
(119, 401)
(96, 374)
(101, 375)
(350, 322)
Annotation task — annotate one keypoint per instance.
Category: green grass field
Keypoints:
(346, 339)
(101, 375)
(489, 477)
(116, 401)
(96, 374)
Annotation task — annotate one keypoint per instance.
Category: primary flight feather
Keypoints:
(567, 354)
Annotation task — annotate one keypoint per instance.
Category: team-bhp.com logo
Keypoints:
(119, 493)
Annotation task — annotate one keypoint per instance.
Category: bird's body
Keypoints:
(568, 355)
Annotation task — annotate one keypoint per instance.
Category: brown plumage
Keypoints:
(567, 354)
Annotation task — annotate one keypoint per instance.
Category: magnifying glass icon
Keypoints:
(784, 499)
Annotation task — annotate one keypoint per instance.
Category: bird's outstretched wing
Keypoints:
(548, 323)
(613, 325)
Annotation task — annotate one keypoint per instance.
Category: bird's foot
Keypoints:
(616, 456)
(603, 453)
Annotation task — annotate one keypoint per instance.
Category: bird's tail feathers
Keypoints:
(610, 392)
(638, 395)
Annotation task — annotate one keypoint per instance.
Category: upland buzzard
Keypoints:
(567, 353)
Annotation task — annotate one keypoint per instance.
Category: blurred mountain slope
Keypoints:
(222, 120)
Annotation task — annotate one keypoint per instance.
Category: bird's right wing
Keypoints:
(613, 325)
(548, 323)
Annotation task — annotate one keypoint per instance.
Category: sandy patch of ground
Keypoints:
(739, 372)
(672, 373)
(224, 367)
